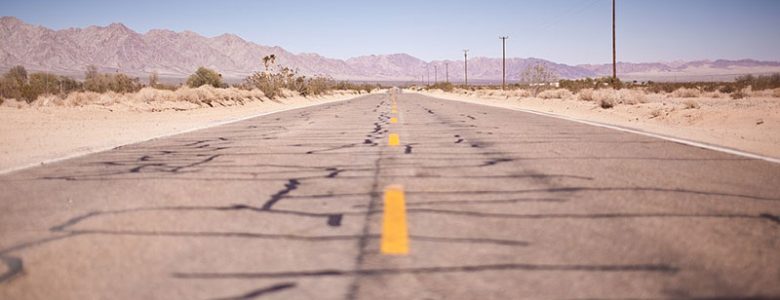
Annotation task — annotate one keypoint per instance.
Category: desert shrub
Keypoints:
(759, 83)
(205, 76)
(12, 82)
(101, 83)
(317, 85)
(738, 95)
(690, 104)
(444, 86)
(776, 93)
(270, 83)
(520, 93)
(587, 83)
(555, 94)
(607, 98)
(585, 94)
(686, 93)
(19, 85)
(359, 88)
(39, 84)
(632, 96)
(606, 103)
(715, 94)
(727, 89)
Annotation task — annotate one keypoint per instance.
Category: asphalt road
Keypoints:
(488, 204)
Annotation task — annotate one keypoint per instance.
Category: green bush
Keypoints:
(204, 76)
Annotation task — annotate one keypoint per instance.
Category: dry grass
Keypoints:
(555, 94)
(519, 93)
(607, 98)
(686, 93)
(691, 104)
(150, 97)
(586, 94)
(765, 93)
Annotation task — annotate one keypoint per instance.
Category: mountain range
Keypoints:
(117, 48)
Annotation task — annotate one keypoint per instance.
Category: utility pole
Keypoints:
(503, 64)
(428, 71)
(614, 51)
(435, 74)
(466, 67)
(447, 71)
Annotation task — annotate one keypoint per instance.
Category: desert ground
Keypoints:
(751, 124)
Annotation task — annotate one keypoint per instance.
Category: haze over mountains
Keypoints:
(178, 54)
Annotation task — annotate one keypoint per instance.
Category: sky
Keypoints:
(564, 31)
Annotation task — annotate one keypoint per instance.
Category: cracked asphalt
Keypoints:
(500, 204)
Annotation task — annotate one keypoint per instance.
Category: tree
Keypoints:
(18, 75)
(92, 80)
(14, 82)
(205, 76)
(101, 83)
(538, 77)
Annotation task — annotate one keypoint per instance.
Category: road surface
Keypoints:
(473, 203)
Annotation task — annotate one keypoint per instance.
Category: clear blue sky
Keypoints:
(573, 31)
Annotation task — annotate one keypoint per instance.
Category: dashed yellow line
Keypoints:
(395, 235)
(393, 120)
(393, 139)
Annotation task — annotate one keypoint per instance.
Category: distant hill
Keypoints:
(178, 54)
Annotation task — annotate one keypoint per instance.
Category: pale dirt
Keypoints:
(751, 124)
(31, 135)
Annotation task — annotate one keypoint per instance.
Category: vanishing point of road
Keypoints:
(394, 196)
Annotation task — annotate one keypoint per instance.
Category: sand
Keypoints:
(751, 125)
(34, 135)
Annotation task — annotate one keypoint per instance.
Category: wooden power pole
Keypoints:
(447, 71)
(503, 64)
(466, 67)
(614, 51)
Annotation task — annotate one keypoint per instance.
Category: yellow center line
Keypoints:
(393, 139)
(395, 235)
(393, 120)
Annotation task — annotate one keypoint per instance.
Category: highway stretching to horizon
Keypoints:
(394, 196)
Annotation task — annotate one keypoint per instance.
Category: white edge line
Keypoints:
(206, 126)
(631, 130)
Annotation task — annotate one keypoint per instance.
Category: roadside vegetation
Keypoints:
(205, 87)
(539, 82)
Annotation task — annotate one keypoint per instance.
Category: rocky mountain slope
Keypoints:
(116, 48)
